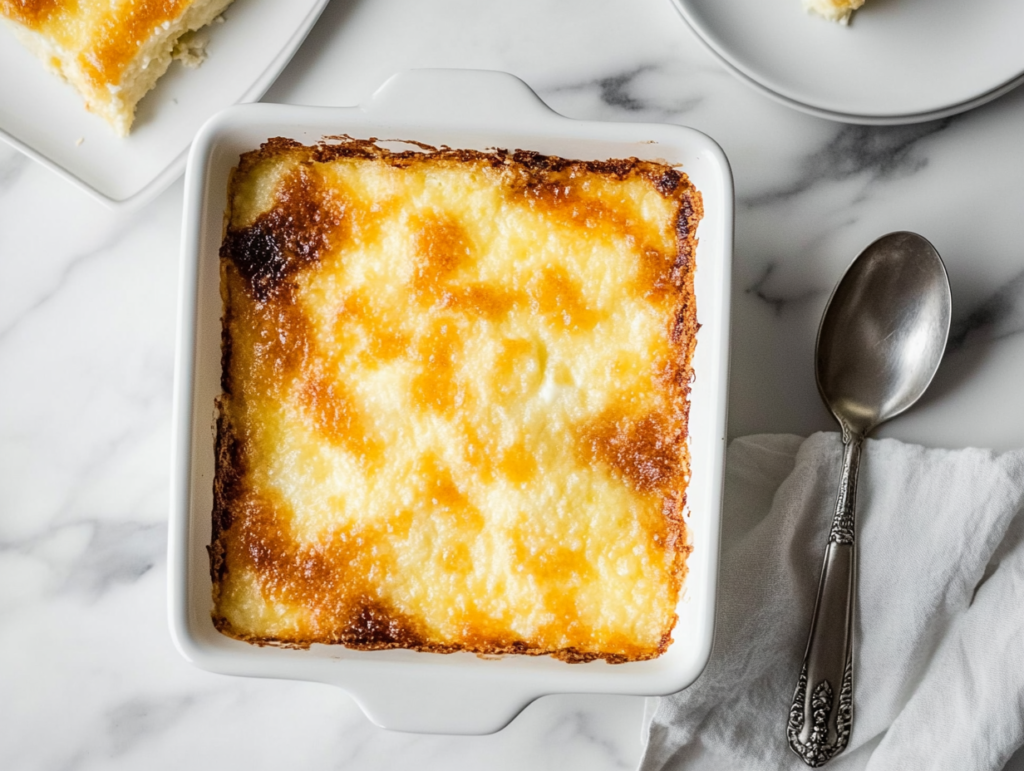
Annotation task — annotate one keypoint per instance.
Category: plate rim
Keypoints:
(866, 120)
(751, 78)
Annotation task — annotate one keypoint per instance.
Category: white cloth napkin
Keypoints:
(939, 635)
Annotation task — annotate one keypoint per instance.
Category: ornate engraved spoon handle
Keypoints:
(822, 713)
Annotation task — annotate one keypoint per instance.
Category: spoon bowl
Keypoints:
(883, 331)
(879, 345)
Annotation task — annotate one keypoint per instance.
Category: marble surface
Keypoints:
(88, 676)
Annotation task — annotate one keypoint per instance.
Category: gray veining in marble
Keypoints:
(871, 153)
(621, 93)
(998, 316)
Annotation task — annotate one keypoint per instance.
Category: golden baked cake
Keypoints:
(112, 51)
(455, 401)
(834, 10)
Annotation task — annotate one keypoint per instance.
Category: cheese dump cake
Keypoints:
(112, 51)
(455, 401)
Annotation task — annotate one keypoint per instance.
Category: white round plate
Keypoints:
(872, 120)
(898, 61)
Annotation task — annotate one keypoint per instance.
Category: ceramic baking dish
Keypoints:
(408, 690)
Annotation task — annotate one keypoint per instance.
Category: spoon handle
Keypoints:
(819, 727)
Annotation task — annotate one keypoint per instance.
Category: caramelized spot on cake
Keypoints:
(399, 524)
(479, 453)
(517, 464)
(659, 273)
(557, 296)
(374, 625)
(482, 300)
(228, 487)
(34, 13)
(686, 220)
(386, 345)
(335, 415)
(368, 217)
(120, 38)
(555, 572)
(120, 35)
(456, 558)
(281, 345)
(358, 321)
(304, 222)
(258, 257)
(328, 578)
(436, 387)
(644, 450)
(518, 369)
(684, 327)
(261, 543)
(441, 248)
(566, 203)
(443, 497)
(554, 568)
(667, 183)
(663, 274)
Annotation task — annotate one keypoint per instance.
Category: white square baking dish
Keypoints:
(408, 690)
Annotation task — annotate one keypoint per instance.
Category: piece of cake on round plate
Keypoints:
(112, 51)
(836, 10)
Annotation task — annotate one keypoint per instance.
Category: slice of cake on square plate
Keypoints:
(112, 52)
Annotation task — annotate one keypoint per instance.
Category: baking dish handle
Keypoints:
(467, 98)
(424, 702)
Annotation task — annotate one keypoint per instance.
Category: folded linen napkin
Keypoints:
(939, 629)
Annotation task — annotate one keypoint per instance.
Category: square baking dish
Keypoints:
(400, 689)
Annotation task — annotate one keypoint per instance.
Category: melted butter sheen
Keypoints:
(459, 394)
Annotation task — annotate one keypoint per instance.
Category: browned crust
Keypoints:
(568, 655)
(374, 628)
(664, 178)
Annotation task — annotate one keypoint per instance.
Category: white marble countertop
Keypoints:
(88, 675)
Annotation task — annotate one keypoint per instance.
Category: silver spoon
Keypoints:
(880, 342)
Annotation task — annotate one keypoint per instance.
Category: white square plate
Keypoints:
(408, 690)
(45, 118)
